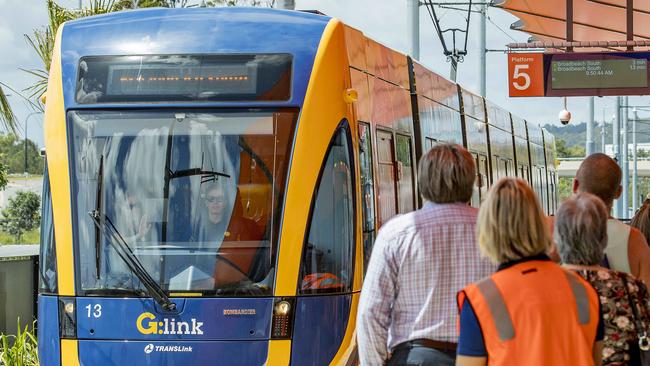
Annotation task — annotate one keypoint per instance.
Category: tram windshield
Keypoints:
(197, 197)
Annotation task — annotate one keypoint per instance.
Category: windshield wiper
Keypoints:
(98, 208)
(103, 223)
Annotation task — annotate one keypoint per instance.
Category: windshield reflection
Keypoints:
(194, 195)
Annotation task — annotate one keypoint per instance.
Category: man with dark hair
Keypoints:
(420, 260)
(627, 249)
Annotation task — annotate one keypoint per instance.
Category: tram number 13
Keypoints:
(94, 311)
(526, 74)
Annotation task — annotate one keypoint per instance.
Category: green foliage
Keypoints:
(20, 349)
(21, 214)
(29, 237)
(564, 188)
(12, 157)
(563, 151)
(3, 175)
(7, 116)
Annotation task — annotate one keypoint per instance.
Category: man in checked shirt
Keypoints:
(420, 260)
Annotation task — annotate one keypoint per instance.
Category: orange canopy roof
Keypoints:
(593, 20)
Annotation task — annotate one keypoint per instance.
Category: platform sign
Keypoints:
(526, 74)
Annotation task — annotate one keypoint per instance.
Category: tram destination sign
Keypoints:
(578, 74)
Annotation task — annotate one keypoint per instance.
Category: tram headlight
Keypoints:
(282, 318)
(282, 308)
(67, 317)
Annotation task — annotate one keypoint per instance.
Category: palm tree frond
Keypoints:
(7, 116)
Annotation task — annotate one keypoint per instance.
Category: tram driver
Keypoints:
(240, 255)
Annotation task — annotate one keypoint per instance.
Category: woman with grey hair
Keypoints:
(581, 237)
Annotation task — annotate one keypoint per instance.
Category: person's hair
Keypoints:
(446, 174)
(641, 219)
(581, 229)
(599, 175)
(510, 223)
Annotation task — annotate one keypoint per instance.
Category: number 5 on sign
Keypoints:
(526, 74)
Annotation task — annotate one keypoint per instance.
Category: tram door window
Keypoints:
(48, 279)
(523, 172)
(405, 174)
(328, 255)
(386, 176)
(367, 190)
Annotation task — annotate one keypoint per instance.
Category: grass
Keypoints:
(29, 237)
(21, 178)
(20, 349)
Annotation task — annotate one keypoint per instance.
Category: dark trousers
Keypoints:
(417, 355)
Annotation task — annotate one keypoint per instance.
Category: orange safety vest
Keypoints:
(535, 313)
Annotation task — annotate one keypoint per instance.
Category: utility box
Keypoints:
(18, 286)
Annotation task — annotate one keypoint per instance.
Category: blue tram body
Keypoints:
(215, 179)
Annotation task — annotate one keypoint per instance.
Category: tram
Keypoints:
(215, 179)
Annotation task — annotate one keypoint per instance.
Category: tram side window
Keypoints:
(328, 254)
(47, 268)
(476, 194)
(367, 191)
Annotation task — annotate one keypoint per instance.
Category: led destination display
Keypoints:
(598, 74)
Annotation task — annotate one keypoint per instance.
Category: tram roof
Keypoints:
(602, 20)
(225, 30)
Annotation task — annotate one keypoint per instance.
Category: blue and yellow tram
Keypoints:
(215, 179)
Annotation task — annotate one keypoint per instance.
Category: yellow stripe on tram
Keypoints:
(279, 353)
(57, 161)
(69, 352)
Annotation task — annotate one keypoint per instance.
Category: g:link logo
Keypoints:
(166, 326)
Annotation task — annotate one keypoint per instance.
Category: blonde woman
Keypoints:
(531, 311)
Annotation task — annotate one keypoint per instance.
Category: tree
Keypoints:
(564, 151)
(22, 214)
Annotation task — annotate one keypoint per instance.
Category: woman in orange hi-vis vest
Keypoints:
(531, 311)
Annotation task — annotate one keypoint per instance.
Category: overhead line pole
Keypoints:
(635, 175)
(482, 50)
(625, 197)
(413, 27)
(616, 136)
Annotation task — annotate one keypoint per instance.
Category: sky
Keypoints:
(382, 20)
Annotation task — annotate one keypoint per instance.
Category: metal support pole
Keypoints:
(616, 135)
(454, 69)
(635, 176)
(482, 52)
(589, 144)
(569, 23)
(286, 4)
(413, 27)
(625, 197)
(602, 136)
(629, 12)
(25, 145)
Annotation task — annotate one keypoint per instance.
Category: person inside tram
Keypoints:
(581, 237)
(531, 311)
(627, 249)
(641, 219)
(239, 252)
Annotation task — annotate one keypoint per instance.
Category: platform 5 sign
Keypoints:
(526, 74)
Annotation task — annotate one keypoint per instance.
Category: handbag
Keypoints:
(639, 351)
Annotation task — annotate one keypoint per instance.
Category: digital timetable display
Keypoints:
(599, 73)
